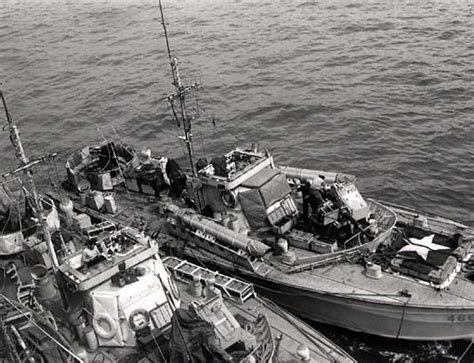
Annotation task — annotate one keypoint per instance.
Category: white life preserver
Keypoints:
(229, 199)
(110, 328)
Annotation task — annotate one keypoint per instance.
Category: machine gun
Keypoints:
(344, 205)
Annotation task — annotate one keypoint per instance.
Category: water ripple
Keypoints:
(380, 89)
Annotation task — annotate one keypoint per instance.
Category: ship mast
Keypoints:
(25, 167)
(181, 116)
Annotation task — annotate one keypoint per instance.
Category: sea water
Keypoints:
(377, 88)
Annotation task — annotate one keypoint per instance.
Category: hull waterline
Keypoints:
(392, 321)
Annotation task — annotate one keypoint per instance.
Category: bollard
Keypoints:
(303, 353)
(195, 287)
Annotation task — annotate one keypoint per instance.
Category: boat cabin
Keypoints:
(244, 189)
(246, 192)
(123, 283)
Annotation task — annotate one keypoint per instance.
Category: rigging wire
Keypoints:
(200, 137)
(109, 156)
(7, 221)
(19, 222)
(402, 319)
(171, 303)
(41, 329)
(182, 146)
(465, 352)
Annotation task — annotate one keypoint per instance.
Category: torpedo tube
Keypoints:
(310, 174)
(221, 233)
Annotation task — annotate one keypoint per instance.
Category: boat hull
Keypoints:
(426, 316)
(389, 320)
(394, 315)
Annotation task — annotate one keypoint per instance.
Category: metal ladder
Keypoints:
(231, 288)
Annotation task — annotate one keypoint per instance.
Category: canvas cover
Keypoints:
(11, 243)
(425, 248)
(104, 303)
(118, 303)
(193, 339)
(275, 189)
(12, 206)
(265, 188)
(254, 208)
(260, 178)
(424, 255)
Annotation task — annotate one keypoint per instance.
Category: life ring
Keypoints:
(146, 319)
(229, 198)
(107, 331)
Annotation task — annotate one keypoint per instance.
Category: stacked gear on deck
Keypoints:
(429, 257)
(102, 166)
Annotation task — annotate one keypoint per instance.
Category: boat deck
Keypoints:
(347, 279)
(344, 279)
(290, 330)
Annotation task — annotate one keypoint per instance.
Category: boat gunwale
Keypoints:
(401, 299)
(370, 245)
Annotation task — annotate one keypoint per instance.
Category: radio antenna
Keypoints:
(179, 96)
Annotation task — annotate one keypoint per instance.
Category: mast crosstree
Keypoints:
(180, 115)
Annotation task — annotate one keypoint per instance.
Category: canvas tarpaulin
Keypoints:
(12, 206)
(254, 208)
(265, 188)
(113, 305)
(262, 177)
(193, 339)
(11, 243)
(106, 319)
(274, 190)
(425, 247)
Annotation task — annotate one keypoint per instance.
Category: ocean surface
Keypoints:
(378, 88)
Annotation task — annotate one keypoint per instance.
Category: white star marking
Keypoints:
(423, 246)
